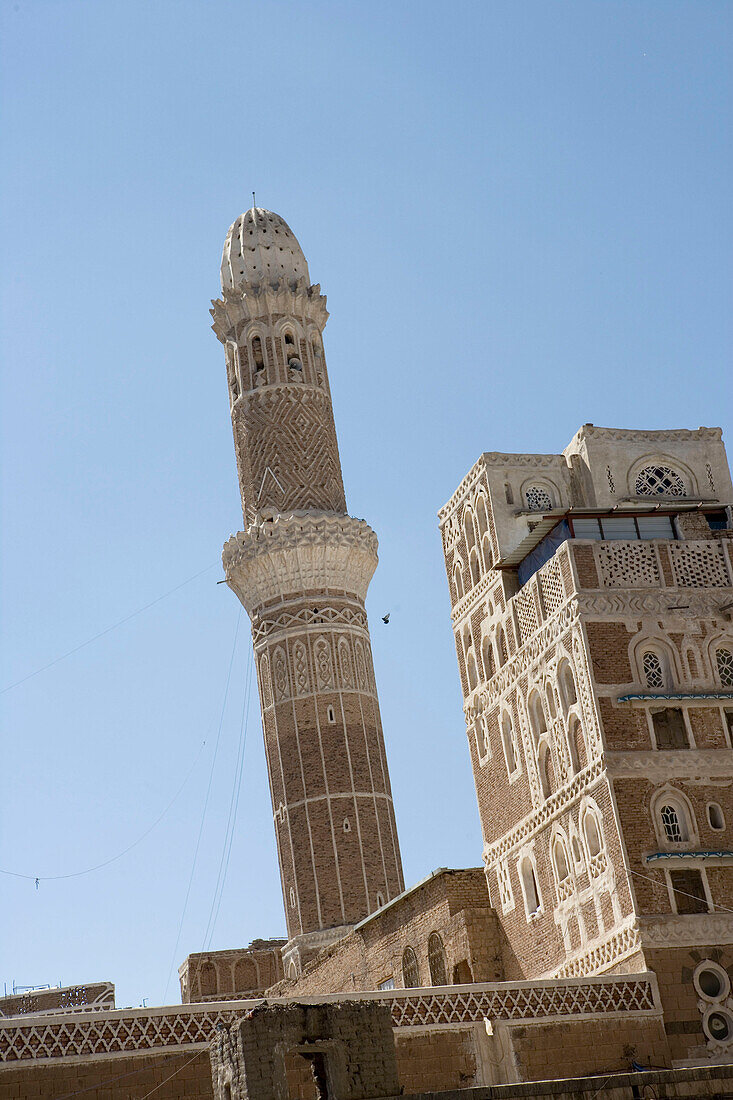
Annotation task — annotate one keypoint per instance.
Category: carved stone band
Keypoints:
(300, 553)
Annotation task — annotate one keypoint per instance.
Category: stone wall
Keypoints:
(174, 1075)
(452, 905)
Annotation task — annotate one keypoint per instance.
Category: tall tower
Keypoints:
(301, 568)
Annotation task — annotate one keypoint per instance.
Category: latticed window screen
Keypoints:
(436, 960)
(653, 671)
(410, 972)
(655, 481)
(724, 659)
(671, 824)
(538, 499)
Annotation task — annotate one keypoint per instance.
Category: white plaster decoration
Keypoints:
(699, 564)
(300, 552)
(628, 564)
(345, 664)
(597, 956)
(280, 673)
(360, 662)
(323, 663)
(658, 766)
(272, 625)
(300, 669)
(506, 894)
(633, 605)
(265, 682)
(688, 930)
(659, 480)
(547, 812)
(551, 588)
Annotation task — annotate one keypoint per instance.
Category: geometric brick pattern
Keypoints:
(144, 1030)
(699, 565)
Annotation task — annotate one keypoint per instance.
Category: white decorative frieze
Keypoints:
(689, 930)
(300, 552)
(695, 765)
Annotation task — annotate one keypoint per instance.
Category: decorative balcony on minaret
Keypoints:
(301, 568)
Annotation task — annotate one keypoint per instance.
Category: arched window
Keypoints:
(653, 670)
(471, 670)
(537, 715)
(410, 971)
(436, 960)
(724, 661)
(592, 831)
(544, 764)
(475, 566)
(469, 530)
(529, 886)
(538, 499)
(567, 685)
(501, 647)
(486, 552)
(257, 357)
(510, 745)
(458, 581)
(576, 744)
(550, 697)
(674, 822)
(292, 355)
(715, 816)
(482, 517)
(561, 860)
(487, 656)
(655, 481)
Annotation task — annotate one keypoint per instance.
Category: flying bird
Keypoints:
(385, 618)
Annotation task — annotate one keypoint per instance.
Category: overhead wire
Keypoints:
(233, 808)
(206, 801)
(107, 630)
(112, 859)
(175, 1073)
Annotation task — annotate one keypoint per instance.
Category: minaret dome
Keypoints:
(261, 248)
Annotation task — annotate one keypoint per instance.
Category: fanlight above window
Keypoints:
(538, 499)
(653, 670)
(662, 481)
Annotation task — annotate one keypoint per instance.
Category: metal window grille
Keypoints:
(659, 481)
(724, 659)
(671, 825)
(410, 972)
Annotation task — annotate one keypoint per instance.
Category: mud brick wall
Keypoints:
(125, 1078)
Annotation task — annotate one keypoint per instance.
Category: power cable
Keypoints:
(107, 630)
(112, 859)
(676, 890)
(175, 1074)
(233, 808)
(206, 802)
(130, 1073)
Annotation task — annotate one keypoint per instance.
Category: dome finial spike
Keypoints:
(254, 204)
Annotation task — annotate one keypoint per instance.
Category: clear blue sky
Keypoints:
(520, 212)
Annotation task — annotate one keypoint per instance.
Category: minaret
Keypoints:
(301, 568)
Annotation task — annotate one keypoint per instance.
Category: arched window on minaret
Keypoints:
(259, 374)
(292, 357)
(317, 353)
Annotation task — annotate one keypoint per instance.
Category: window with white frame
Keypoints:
(509, 743)
(567, 684)
(560, 856)
(659, 481)
(506, 894)
(592, 833)
(530, 888)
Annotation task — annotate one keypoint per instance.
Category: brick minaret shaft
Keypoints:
(301, 568)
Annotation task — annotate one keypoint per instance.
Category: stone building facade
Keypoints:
(591, 601)
(301, 568)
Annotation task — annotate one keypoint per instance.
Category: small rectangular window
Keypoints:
(388, 983)
(655, 527)
(586, 529)
(620, 528)
(688, 891)
(670, 729)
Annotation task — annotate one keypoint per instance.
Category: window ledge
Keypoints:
(691, 696)
(717, 857)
